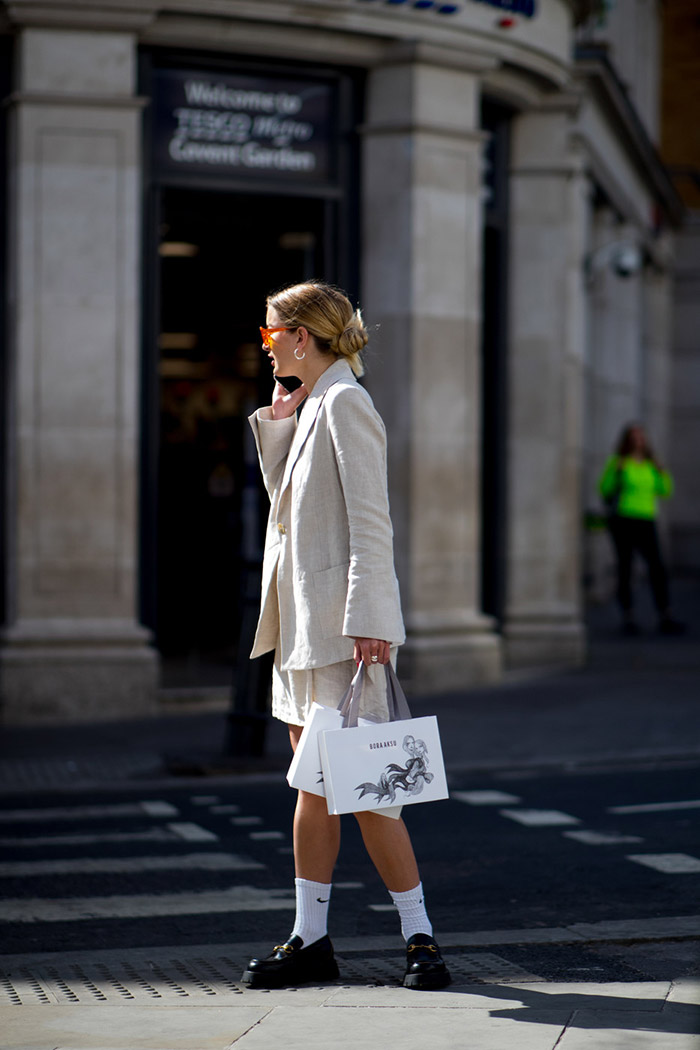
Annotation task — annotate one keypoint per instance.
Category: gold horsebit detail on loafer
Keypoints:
(286, 948)
(425, 947)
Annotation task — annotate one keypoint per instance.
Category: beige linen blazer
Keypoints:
(328, 569)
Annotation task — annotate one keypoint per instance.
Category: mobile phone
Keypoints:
(289, 383)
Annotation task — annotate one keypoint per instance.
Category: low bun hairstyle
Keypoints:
(328, 315)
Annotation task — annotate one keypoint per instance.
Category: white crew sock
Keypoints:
(411, 906)
(312, 910)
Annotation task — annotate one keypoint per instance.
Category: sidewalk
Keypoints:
(526, 1015)
(636, 702)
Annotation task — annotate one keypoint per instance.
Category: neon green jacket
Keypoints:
(638, 483)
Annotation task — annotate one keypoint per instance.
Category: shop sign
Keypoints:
(241, 125)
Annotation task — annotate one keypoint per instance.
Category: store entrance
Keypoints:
(219, 255)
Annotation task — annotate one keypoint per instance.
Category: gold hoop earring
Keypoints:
(299, 357)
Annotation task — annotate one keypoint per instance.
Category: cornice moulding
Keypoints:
(513, 87)
(322, 46)
(123, 15)
(44, 98)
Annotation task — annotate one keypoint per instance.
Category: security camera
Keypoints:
(627, 261)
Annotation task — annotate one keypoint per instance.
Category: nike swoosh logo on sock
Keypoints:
(322, 901)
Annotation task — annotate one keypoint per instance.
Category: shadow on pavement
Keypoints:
(595, 1011)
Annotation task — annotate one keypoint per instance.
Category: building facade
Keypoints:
(477, 176)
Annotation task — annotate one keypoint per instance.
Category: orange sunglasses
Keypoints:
(267, 332)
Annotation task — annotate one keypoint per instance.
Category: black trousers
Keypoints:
(638, 534)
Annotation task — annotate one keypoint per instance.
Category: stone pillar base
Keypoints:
(434, 662)
(544, 642)
(76, 671)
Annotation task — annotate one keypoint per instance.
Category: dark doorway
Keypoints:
(219, 255)
(494, 362)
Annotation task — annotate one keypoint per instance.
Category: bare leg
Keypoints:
(389, 845)
(317, 841)
(316, 833)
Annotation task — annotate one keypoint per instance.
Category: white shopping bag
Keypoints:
(387, 764)
(305, 769)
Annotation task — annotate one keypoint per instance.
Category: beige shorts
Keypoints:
(293, 692)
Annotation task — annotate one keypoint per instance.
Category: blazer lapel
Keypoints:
(338, 370)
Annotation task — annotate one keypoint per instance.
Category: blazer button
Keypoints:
(281, 528)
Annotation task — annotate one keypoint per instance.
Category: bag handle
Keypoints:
(349, 706)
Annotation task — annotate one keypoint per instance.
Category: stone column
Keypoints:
(543, 623)
(72, 647)
(421, 283)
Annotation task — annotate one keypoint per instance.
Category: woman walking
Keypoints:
(330, 599)
(631, 483)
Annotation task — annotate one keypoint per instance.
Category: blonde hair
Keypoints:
(328, 316)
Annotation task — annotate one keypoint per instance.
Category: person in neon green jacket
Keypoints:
(631, 484)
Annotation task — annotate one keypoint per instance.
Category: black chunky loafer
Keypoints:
(291, 963)
(425, 968)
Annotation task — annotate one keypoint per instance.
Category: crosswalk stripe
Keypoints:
(656, 807)
(172, 832)
(668, 863)
(600, 838)
(485, 798)
(154, 835)
(155, 808)
(122, 865)
(158, 808)
(539, 817)
(193, 832)
(84, 909)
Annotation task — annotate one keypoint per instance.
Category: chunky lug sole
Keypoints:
(426, 982)
(301, 975)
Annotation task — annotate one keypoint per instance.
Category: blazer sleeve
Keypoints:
(373, 605)
(273, 438)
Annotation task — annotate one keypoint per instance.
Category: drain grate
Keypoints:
(170, 980)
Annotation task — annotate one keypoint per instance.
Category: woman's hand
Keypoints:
(366, 648)
(285, 404)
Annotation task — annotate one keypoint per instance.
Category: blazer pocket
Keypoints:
(330, 596)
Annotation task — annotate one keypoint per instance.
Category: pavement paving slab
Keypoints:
(531, 1016)
(624, 1034)
(139, 1028)
(685, 990)
(347, 1028)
